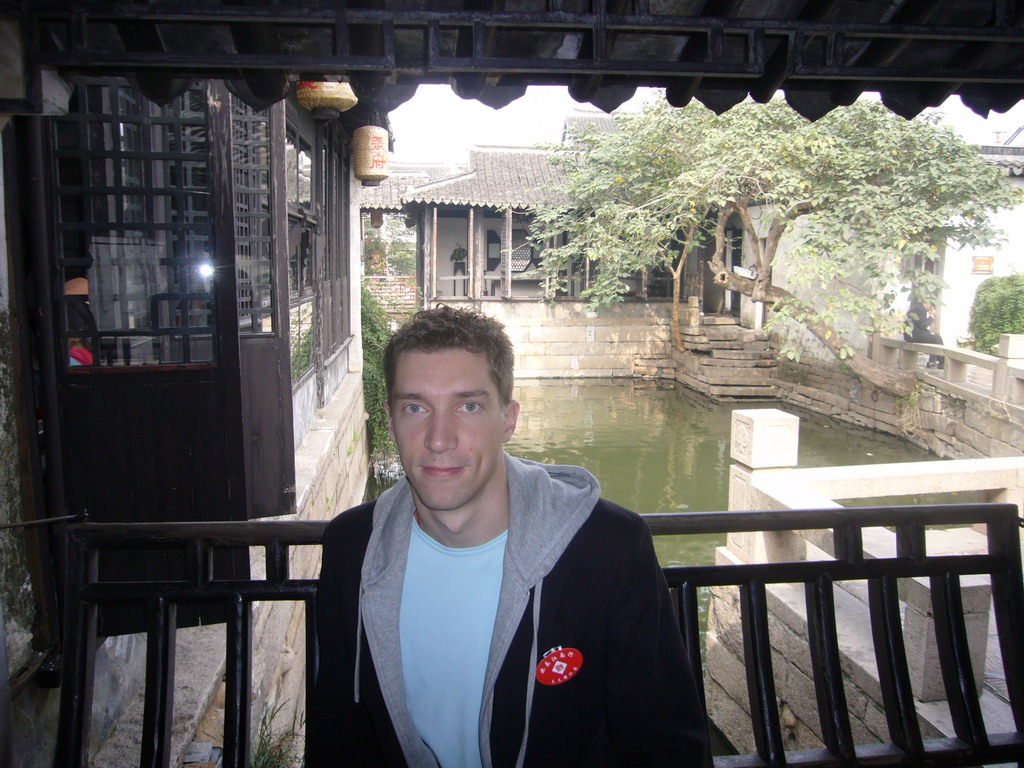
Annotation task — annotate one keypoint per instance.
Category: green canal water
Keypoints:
(660, 447)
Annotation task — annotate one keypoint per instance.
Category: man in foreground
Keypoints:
(491, 611)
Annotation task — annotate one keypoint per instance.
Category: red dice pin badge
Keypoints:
(559, 665)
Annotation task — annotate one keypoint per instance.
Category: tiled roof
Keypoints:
(1010, 158)
(389, 194)
(578, 122)
(392, 193)
(497, 177)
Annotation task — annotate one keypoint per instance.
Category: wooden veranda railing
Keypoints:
(973, 743)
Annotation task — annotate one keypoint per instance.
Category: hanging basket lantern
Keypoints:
(370, 154)
(326, 100)
(376, 218)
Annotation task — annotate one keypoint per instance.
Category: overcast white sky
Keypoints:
(436, 125)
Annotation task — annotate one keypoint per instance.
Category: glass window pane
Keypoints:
(250, 170)
(67, 136)
(305, 174)
(133, 237)
(291, 164)
(301, 341)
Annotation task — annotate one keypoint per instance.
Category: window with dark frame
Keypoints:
(298, 160)
(522, 256)
(334, 320)
(302, 305)
(302, 180)
(250, 167)
(133, 228)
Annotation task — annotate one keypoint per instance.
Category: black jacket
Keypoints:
(632, 703)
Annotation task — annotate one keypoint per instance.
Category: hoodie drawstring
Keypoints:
(359, 645)
(532, 680)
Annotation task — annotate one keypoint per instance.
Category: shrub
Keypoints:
(376, 326)
(998, 308)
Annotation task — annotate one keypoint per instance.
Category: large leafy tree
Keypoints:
(625, 208)
(862, 199)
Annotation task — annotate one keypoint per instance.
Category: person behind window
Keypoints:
(79, 318)
(488, 610)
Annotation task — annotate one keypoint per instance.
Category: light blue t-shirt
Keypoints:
(449, 601)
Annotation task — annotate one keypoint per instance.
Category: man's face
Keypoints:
(450, 428)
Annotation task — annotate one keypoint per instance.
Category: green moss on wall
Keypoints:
(15, 585)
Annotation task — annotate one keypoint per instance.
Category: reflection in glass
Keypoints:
(301, 341)
(298, 169)
(250, 168)
(305, 176)
(133, 231)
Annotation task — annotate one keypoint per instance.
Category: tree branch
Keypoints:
(892, 380)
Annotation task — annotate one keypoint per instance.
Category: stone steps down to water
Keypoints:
(726, 361)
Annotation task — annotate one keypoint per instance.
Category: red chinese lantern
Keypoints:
(370, 154)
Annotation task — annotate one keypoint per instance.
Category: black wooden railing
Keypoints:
(972, 745)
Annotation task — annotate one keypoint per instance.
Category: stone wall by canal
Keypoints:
(562, 340)
(943, 417)
(634, 340)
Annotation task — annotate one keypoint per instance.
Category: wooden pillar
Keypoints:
(547, 282)
(506, 256)
(471, 259)
(480, 238)
(430, 289)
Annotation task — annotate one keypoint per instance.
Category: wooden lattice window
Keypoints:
(301, 179)
(522, 252)
(250, 167)
(132, 229)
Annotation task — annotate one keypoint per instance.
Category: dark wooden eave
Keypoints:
(821, 53)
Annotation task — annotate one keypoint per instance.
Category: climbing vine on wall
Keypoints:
(376, 327)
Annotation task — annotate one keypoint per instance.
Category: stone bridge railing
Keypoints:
(998, 376)
(764, 447)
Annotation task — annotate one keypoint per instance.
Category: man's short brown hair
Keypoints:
(444, 328)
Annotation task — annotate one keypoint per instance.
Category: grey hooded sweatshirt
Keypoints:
(547, 506)
(580, 574)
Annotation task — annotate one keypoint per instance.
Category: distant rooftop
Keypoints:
(578, 122)
(522, 177)
(497, 177)
(1010, 158)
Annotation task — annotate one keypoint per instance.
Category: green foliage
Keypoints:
(624, 209)
(885, 198)
(862, 200)
(376, 330)
(998, 308)
(389, 249)
(301, 346)
(277, 747)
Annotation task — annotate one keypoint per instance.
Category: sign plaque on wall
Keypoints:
(983, 265)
